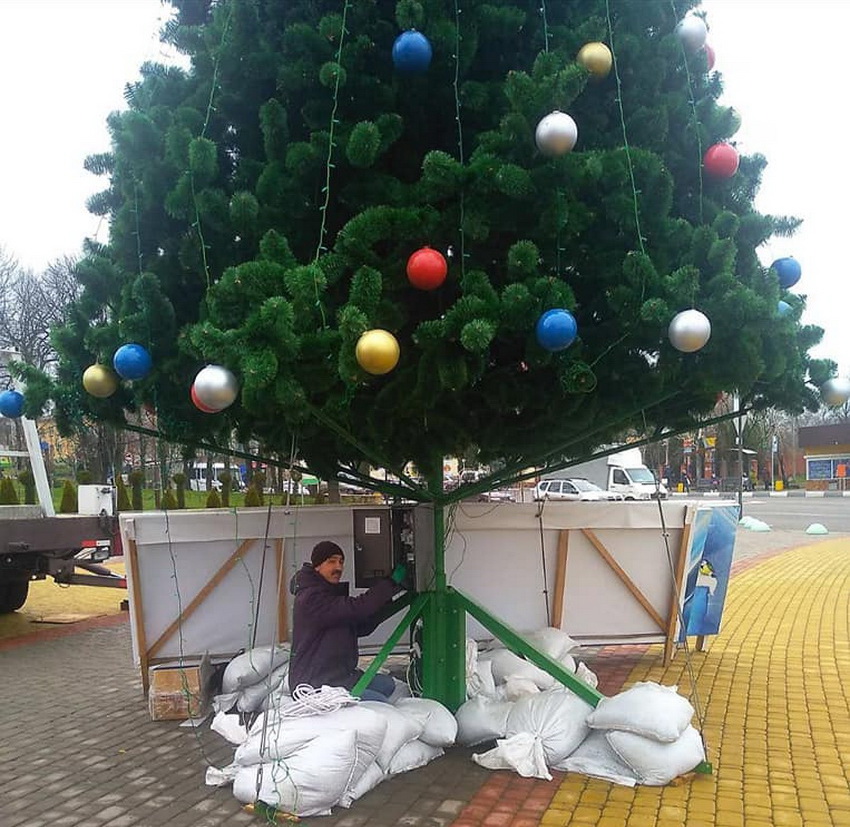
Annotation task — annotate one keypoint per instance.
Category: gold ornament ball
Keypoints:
(100, 381)
(377, 352)
(596, 58)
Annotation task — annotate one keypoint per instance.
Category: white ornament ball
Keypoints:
(835, 391)
(556, 134)
(215, 387)
(689, 331)
(692, 32)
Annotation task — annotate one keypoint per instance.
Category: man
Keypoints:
(326, 623)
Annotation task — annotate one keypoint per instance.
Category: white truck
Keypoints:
(621, 473)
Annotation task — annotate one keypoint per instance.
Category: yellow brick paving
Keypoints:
(775, 690)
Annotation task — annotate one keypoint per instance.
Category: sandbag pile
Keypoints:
(254, 680)
(640, 736)
(306, 763)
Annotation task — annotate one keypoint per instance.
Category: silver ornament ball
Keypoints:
(689, 331)
(692, 32)
(556, 134)
(216, 387)
(835, 391)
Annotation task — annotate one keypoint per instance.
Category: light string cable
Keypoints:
(674, 593)
(630, 166)
(210, 109)
(539, 516)
(329, 165)
(693, 103)
(460, 148)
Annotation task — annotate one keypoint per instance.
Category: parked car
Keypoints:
(498, 495)
(573, 488)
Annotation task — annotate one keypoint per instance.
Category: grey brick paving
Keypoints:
(78, 749)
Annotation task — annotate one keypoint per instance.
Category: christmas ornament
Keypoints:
(596, 58)
(692, 33)
(788, 271)
(214, 389)
(100, 381)
(11, 404)
(721, 160)
(556, 134)
(556, 329)
(198, 404)
(132, 362)
(689, 331)
(426, 269)
(835, 391)
(783, 309)
(710, 56)
(377, 351)
(412, 52)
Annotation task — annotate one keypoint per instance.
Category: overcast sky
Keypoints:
(64, 64)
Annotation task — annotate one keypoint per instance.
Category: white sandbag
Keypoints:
(400, 690)
(568, 662)
(218, 777)
(279, 697)
(439, 726)
(401, 730)
(284, 737)
(647, 709)
(309, 782)
(551, 641)
(230, 727)
(412, 756)
(252, 666)
(654, 762)
(225, 702)
(508, 665)
(481, 719)
(556, 718)
(596, 757)
(522, 753)
(515, 688)
(370, 779)
(584, 672)
(252, 698)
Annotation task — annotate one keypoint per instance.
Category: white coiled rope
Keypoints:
(307, 700)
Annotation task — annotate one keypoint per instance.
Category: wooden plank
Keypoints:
(201, 596)
(673, 617)
(560, 578)
(138, 612)
(627, 582)
(282, 605)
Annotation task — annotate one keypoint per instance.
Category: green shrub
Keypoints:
(137, 481)
(169, 503)
(180, 483)
(84, 477)
(121, 490)
(68, 504)
(226, 480)
(8, 494)
(27, 479)
(252, 497)
(213, 499)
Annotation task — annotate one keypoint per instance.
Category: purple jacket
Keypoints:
(326, 623)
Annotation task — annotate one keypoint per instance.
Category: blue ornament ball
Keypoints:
(788, 271)
(412, 52)
(11, 404)
(556, 329)
(132, 362)
(783, 309)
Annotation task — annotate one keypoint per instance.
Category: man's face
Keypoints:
(332, 568)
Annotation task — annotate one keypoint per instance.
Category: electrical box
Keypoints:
(383, 537)
(94, 500)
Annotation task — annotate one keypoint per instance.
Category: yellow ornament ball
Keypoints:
(596, 58)
(377, 352)
(100, 381)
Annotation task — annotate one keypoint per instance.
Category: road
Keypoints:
(797, 513)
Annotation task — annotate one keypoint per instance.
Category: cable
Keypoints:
(543, 561)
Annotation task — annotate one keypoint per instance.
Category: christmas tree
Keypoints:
(265, 203)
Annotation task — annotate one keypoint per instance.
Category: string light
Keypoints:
(459, 134)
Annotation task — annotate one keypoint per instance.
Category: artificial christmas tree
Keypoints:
(264, 206)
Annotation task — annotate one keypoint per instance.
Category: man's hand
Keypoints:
(399, 574)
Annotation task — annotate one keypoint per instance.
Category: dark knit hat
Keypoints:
(323, 550)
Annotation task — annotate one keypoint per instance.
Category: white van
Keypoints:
(198, 478)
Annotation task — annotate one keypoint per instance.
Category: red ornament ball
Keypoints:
(427, 269)
(200, 405)
(721, 160)
(710, 56)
